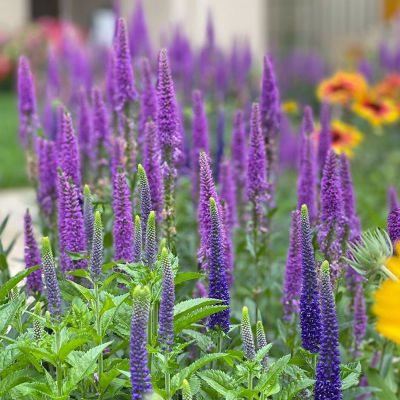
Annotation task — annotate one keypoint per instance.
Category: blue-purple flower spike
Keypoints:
(310, 315)
(166, 317)
(247, 335)
(328, 383)
(151, 241)
(138, 243)
(88, 218)
(96, 254)
(145, 197)
(218, 286)
(140, 374)
(261, 342)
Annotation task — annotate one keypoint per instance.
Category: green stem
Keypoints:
(389, 273)
(98, 330)
(250, 381)
(58, 366)
(167, 379)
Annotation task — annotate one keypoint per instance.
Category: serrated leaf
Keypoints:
(289, 391)
(262, 353)
(71, 345)
(8, 311)
(202, 340)
(188, 306)
(219, 380)
(187, 276)
(270, 378)
(350, 374)
(107, 305)
(85, 292)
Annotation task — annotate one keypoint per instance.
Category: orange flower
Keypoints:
(389, 87)
(376, 110)
(345, 137)
(342, 87)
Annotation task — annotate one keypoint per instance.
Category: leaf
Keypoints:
(85, 292)
(109, 315)
(185, 373)
(15, 280)
(293, 388)
(188, 306)
(350, 374)
(81, 273)
(219, 380)
(82, 366)
(270, 378)
(262, 353)
(202, 340)
(374, 379)
(77, 256)
(8, 311)
(72, 345)
(108, 305)
(13, 380)
(187, 276)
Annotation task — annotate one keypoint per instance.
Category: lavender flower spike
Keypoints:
(261, 342)
(123, 224)
(247, 335)
(218, 286)
(126, 91)
(84, 127)
(393, 199)
(145, 197)
(360, 318)
(138, 243)
(52, 287)
(186, 391)
(32, 257)
(151, 241)
(88, 218)
(310, 316)
(328, 383)
(166, 317)
(292, 287)
(228, 192)
(96, 254)
(325, 138)
(140, 374)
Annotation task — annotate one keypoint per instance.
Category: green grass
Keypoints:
(12, 158)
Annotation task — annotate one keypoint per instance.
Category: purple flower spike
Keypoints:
(118, 160)
(261, 342)
(292, 287)
(310, 317)
(166, 317)
(140, 374)
(111, 83)
(88, 218)
(393, 225)
(151, 241)
(220, 143)
(138, 243)
(96, 253)
(148, 99)
(123, 224)
(247, 336)
(360, 317)
(308, 120)
(26, 100)
(228, 253)
(126, 91)
(84, 126)
(151, 162)
(228, 192)
(145, 197)
(218, 287)
(139, 39)
(68, 156)
(52, 287)
(256, 170)
(32, 257)
(393, 199)
(325, 137)
(328, 383)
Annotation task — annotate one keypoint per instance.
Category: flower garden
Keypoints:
(206, 229)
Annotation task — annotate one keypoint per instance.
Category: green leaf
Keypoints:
(219, 380)
(262, 353)
(188, 306)
(374, 379)
(353, 393)
(77, 256)
(82, 367)
(202, 340)
(185, 373)
(109, 315)
(85, 292)
(108, 305)
(269, 379)
(15, 280)
(350, 374)
(81, 273)
(293, 388)
(72, 345)
(8, 311)
(187, 276)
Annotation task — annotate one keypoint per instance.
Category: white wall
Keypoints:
(13, 14)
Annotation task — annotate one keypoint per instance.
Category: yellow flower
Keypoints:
(290, 107)
(393, 263)
(342, 87)
(387, 304)
(376, 110)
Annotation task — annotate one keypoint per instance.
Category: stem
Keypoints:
(167, 379)
(389, 273)
(98, 330)
(250, 381)
(58, 366)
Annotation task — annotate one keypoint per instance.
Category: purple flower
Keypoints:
(32, 257)
(125, 84)
(310, 317)
(247, 335)
(306, 184)
(292, 287)
(239, 158)
(96, 253)
(393, 199)
(52, 287)
(227, 236)
(123, 224)
(151, 162)
(111, 83)
(393, 225)
(261, 342)
(325, 136)
(166, 317)
(53, 79)
(140, 374)
(308, 121)
(328, 383)
(118, 146)
(148, 99)
(47, 176)
(220, 143)
(139, 39)
(26, 100)
(360, 317)
(88, 218)
(200, 138)
(150, 250)
(70, 224)
(68, 155)
(138, 243)
(218, 287)
(256, 170)
(145, 197)
(200, 290)
(84, 126)
(228, 192)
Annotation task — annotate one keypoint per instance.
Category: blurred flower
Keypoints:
(393, 262)
(376, 110)
(342, 87)
(389, 86)
(290, 107)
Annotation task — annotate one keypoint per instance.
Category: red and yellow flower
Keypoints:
(377, 110)
(342, 87)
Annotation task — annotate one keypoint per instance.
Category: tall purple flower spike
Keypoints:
(145, 197)
(310, 315)
(293, 276)
(96, 253)
(360, 318)
(148, 100)
(84, 127)
(328, 383)
(26, 100)
(166, 316)
(393, 199)
(200, 139)
(138, 241)
(325, 138)
(140, 373)
(220, 143)
(218, 287)
(126, 91)
(247, 335)
(111, 82)
(152, 166)
(151, 247)
(68, 154)
(256, 170)
(139, 39)
(228, 192)
(123, 224)
(32, 257)
(393, 225)
(227, 237)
